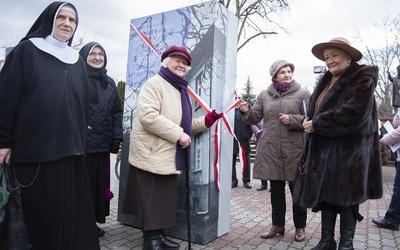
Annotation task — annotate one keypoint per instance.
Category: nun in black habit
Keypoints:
(104, 128)
(43, 120)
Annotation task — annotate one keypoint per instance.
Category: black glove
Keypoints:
(115, 147)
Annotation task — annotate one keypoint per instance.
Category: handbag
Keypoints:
(299, 183)
(3, 198)
(13, 229)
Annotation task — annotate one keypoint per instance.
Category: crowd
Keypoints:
(61, 118)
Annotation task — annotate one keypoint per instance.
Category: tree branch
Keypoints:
(254, 36)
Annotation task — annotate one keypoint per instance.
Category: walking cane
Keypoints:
(188, 208)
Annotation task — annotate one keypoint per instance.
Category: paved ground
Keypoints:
(251, 215)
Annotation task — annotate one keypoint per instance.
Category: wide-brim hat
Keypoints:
(177, 51)
(337, 42)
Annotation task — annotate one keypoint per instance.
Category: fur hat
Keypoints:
(276, 66)
(177, 50)
(337, 42)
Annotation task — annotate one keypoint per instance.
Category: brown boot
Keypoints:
(274, 231)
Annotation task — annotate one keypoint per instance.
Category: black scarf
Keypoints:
(97, 78)
(182, 154)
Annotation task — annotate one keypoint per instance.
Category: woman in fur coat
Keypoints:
(343, 166)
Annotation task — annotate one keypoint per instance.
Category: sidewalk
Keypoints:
(251, 216)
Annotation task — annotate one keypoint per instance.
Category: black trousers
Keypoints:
(278, 202)
(246, 168)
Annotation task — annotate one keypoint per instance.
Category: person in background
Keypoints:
(391, 220)
(43, 125)
(243, 134)
(257, 132)
(395, 88)
(160, 147)
(279, 152)
(343, 167)
(104, 127)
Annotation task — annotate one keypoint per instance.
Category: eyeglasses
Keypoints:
(94, 54)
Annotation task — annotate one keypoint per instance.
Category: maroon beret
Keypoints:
(177, 50)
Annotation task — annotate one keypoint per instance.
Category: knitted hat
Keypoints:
(177, 50)
(337, 42)
(276, 66)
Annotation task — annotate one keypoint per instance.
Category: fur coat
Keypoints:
(343, 164)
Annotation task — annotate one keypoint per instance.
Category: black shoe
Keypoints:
(234, 184)
(169, 244)
(247, 184)
(101, 232)
(262, 187)
(152, 243)
(382, 222)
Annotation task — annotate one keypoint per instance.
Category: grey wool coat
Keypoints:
(343, 164)
(280, 147)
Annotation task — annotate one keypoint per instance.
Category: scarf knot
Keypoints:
(282, 86)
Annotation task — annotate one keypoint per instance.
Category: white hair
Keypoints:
(164, 63)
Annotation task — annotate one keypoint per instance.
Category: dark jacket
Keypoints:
(105, 113)
(343, 164)
(44, 106)
(243, 133)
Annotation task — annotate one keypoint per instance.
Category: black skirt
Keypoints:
(97, 165)
(58, 205)
(151, 198)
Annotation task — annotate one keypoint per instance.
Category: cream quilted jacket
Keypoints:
(156, 129)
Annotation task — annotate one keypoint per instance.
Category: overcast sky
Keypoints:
(308, 22)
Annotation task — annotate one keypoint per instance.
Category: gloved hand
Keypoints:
(109, 194)
(115, 147)
(212, 117)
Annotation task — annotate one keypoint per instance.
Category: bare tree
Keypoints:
(386, 58)
(78, 43)
(254, 13)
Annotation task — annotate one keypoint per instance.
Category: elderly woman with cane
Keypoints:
(160, 147)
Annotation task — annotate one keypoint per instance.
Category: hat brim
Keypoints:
(180, 53)
(318, 50)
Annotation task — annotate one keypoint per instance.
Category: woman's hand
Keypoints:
(244, 107)
(5, 155)
(184, 140)
(308, 128)
(284, 119)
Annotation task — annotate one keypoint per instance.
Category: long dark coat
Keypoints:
(243, 133)
(343, 165)
(280, 148)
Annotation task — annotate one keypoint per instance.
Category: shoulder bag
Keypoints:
(13, 229)
(299, 183)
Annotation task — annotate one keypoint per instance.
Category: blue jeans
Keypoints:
(393, 213)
